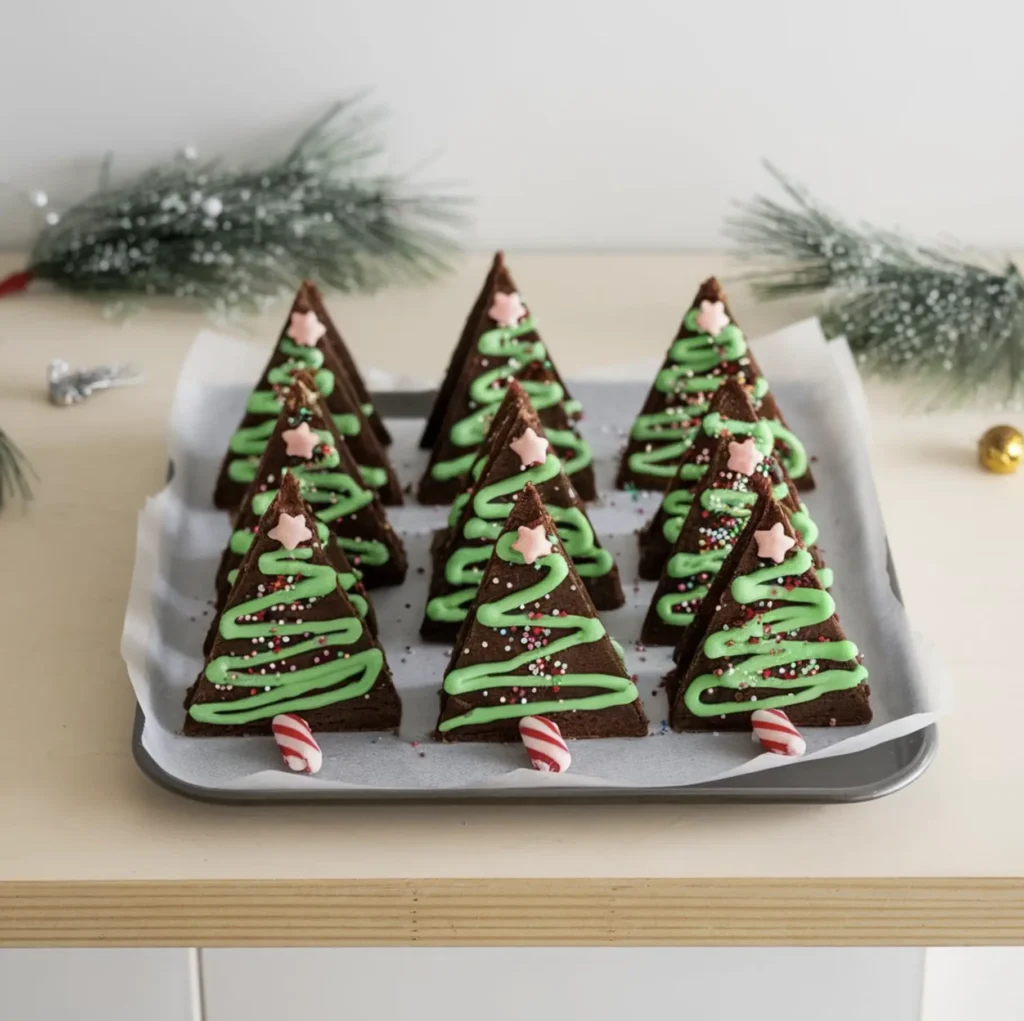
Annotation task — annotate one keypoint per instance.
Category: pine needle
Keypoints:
(943, 315)
(234, 239)
(14, 473)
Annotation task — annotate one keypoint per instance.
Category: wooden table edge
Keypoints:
(515, 911)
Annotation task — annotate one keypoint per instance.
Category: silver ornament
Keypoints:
(70, 386)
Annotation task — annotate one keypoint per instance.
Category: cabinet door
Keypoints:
(973, 983)
(97, 985)
(496, 984)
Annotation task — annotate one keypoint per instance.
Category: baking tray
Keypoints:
(858, 776)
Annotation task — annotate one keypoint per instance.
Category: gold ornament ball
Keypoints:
(1001, 449)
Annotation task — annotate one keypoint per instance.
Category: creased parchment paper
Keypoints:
(180, 537)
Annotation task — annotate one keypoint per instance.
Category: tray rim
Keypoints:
(718, 791)
(923, 746)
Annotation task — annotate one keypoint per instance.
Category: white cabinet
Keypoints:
(974, 984)
(467, 984)
(508, 984)
(98, 985)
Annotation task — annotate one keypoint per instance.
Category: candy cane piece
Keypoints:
(775, 732)
(296, 743)
(544, 744)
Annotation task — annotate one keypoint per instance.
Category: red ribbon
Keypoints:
(15, 282)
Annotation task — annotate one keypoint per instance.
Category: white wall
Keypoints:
(594, 123)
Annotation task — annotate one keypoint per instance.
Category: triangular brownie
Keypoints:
(515, 399)
(767, 637)
(306, 443)
(304, 345)
(309, 299)
(709, 348)
(289, 641)
(730, 415)
(350, 580)
(535, 645)
(722, 502)
(444, 394)
(503, 345)
(518, 454)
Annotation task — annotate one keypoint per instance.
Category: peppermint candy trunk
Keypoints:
(296, 743)
(544, 744)
(775, 732)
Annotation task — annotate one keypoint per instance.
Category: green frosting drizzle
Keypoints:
(488, 389)
(691, 375)
(348, 425)
(443, 471)
(791, 451)
(242, 539)
(676, 504)
(284, 688)
(457, 507)
(465, 567)
(463, 498)
(762, 653)
(805, 527)
(268, 402)
(580, 453)
(728, 511)
(250, 442)
(509, 613)
(346, 579)
(332, 495)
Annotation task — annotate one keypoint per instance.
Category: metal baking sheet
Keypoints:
(858, 776)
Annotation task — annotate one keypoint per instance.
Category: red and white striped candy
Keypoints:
(296, 743)
(544, 744)
(773, 729)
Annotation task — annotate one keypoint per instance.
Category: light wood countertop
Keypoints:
(91, 851)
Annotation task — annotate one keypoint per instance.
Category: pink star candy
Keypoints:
(300, 442)
(532, 543)
(290, 530)
(531, 448)
(305, 329)
(712, 318)
(744, 457)
(507, 309)
(773, 543)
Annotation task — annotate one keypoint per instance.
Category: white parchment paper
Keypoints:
(180, 538)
